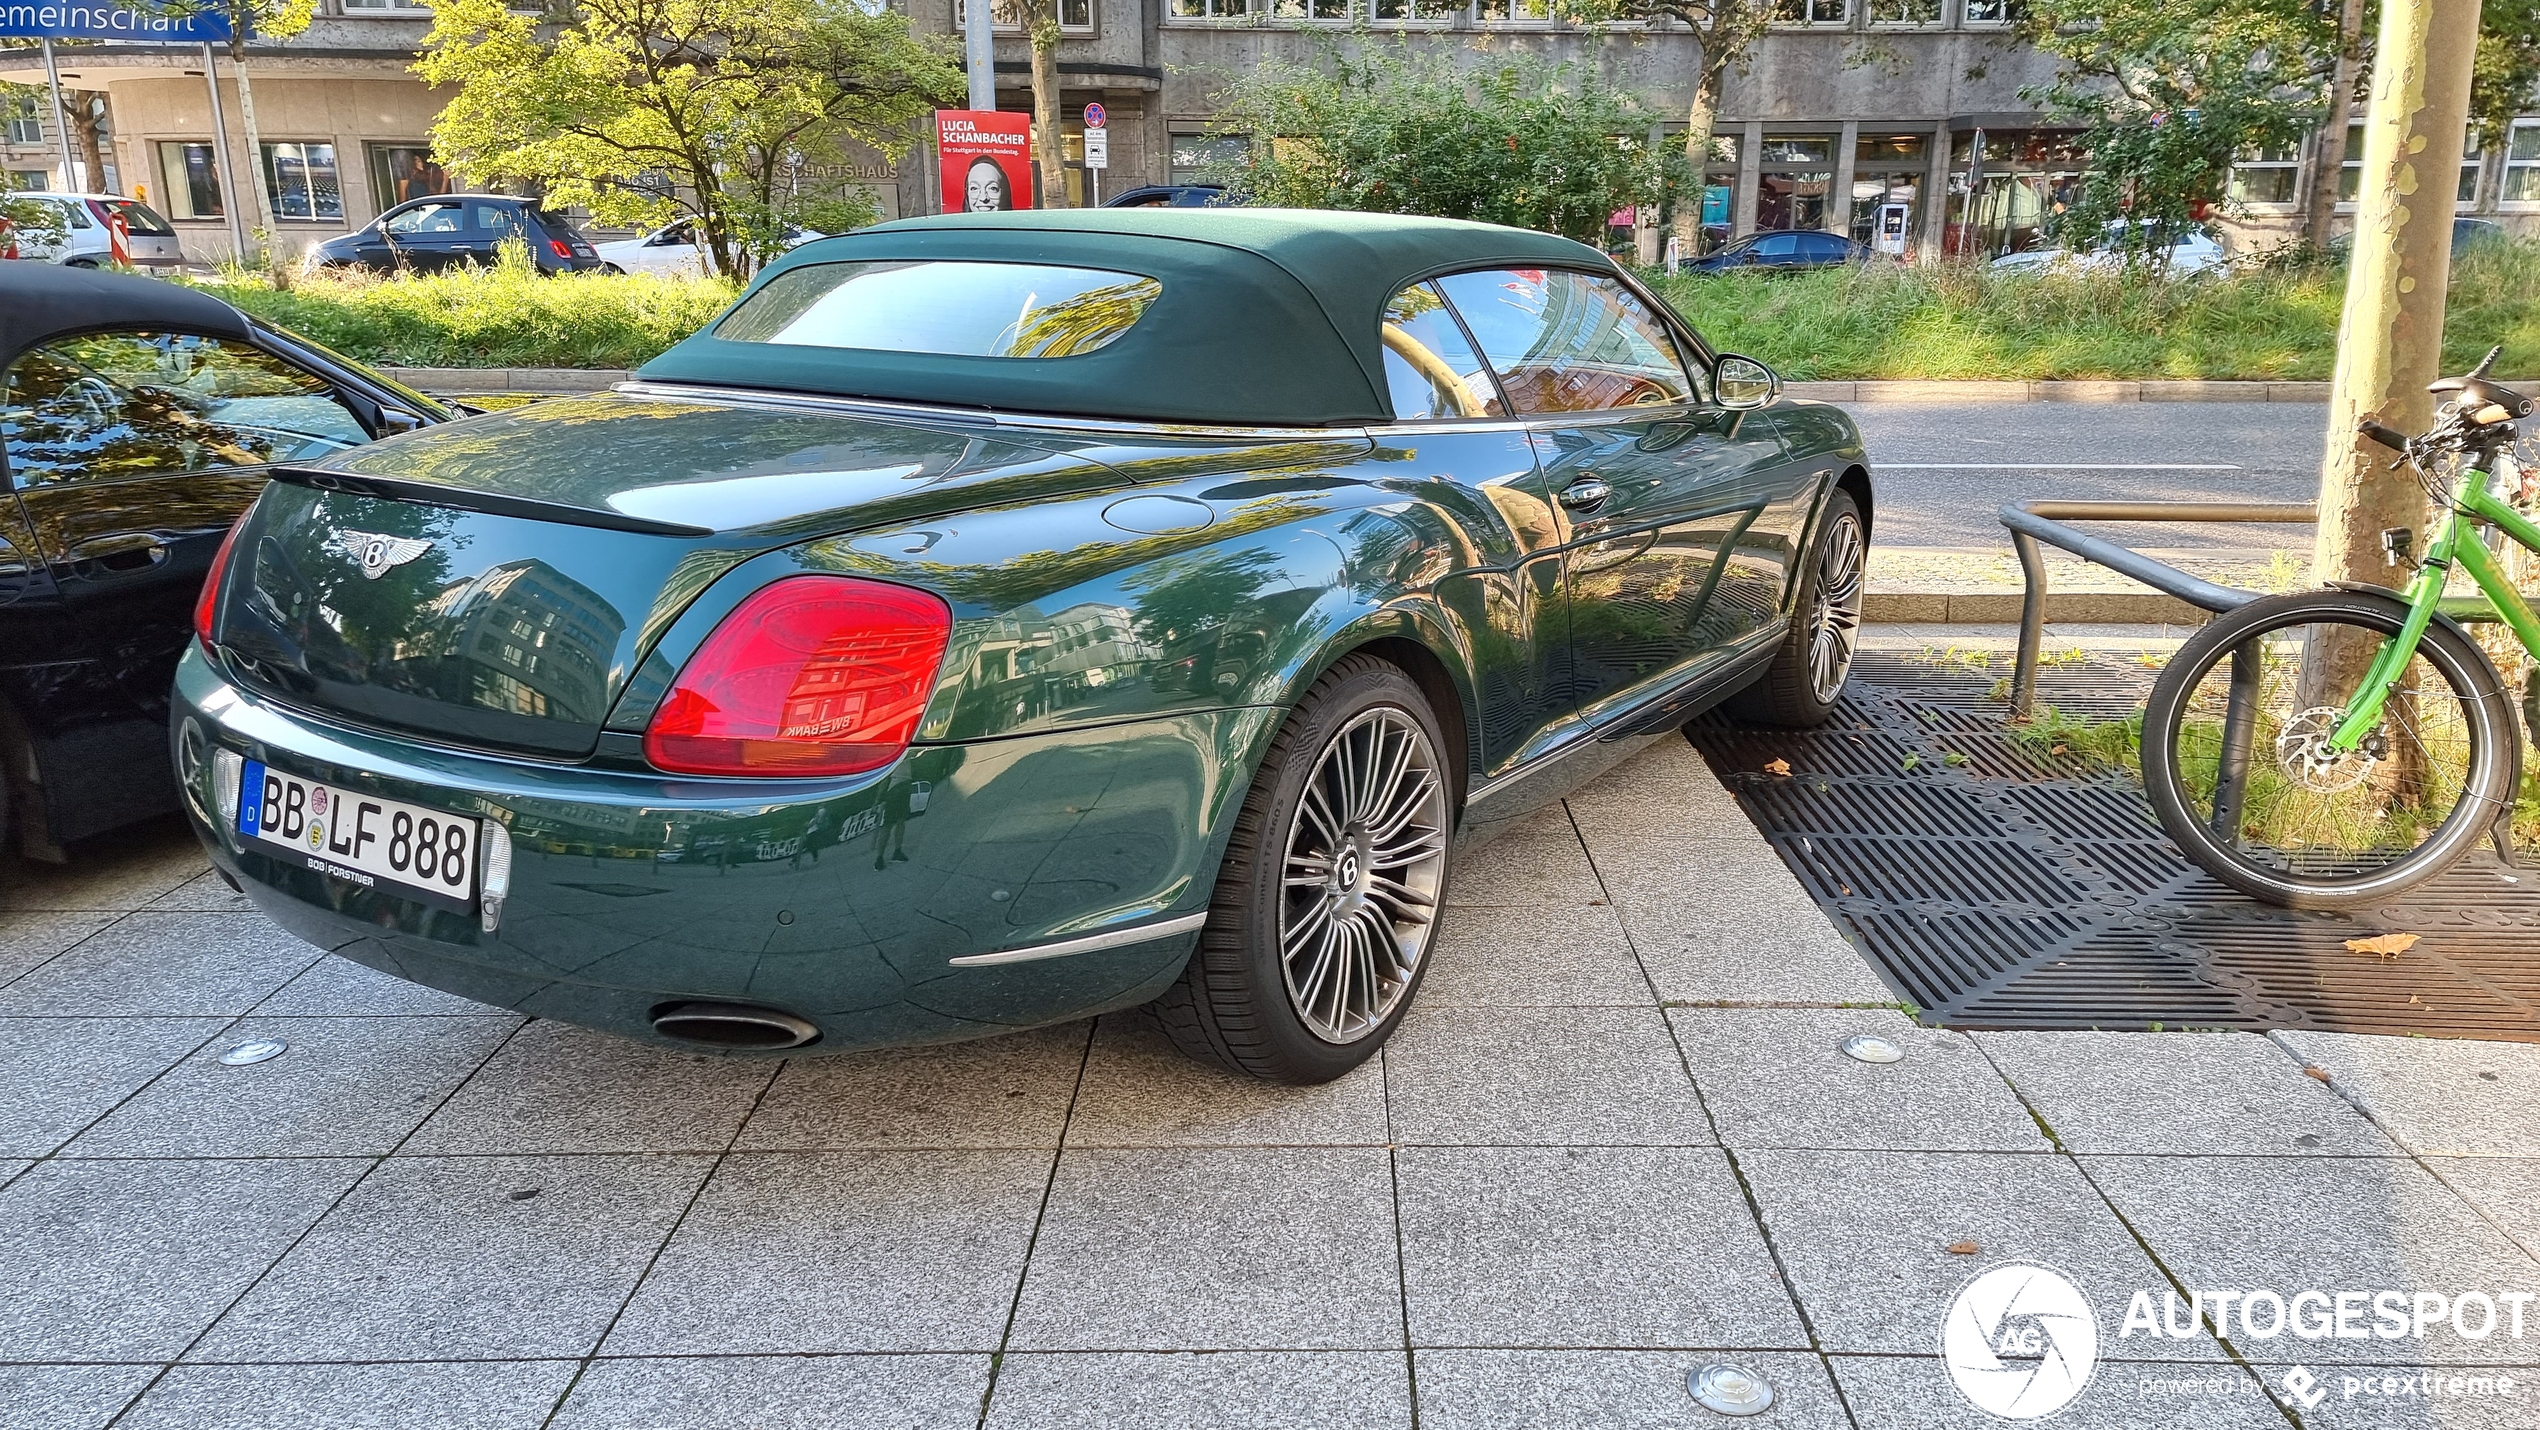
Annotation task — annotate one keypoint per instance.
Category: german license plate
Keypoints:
(361, 838)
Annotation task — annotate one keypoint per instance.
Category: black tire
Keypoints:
(2489, 752)
(1825, 627)
(1236, 1004)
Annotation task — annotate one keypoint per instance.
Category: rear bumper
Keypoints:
(874, 907)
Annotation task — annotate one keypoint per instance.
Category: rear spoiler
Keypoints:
(492, 503)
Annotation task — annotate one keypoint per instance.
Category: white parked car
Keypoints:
(2196, 251)
(671, 251)
(83, 241)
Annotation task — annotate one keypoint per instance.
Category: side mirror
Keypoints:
(1742, 383)
(393, 420)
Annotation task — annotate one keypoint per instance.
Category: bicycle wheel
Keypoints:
(2237, 764)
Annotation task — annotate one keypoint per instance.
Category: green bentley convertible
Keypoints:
(998, 619)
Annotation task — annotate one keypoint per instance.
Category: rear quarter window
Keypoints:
(956, 308)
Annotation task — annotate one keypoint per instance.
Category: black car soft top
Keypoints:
(41, 300)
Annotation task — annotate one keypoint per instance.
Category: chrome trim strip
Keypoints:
(706, 392)
(1116, 938)
(1586, 734)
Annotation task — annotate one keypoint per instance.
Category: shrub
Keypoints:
(505, 316)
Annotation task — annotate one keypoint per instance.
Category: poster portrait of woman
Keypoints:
(985, 188)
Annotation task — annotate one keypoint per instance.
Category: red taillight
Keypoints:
(207, 604)
(557, 247)
(812, 675)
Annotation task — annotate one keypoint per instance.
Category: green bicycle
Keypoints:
(2329, 749)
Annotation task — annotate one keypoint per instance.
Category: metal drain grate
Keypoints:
(2000, 885)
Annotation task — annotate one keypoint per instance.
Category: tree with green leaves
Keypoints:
(724, 112)
(1393, 130)
(2171, 92)
(1726, 31)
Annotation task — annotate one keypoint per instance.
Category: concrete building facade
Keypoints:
(1897, 121)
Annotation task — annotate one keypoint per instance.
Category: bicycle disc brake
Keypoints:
(2307, 757)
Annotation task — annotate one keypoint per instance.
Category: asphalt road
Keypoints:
(1941, 471)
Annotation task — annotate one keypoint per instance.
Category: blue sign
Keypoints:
(72, 20)
(1095, 118)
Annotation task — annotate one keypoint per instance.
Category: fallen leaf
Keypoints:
(1777, 767)
(1964, 1248)
(2320, 1073)
(1911, 762)
(2059, 750)
(1953, 759)
(2388, 945)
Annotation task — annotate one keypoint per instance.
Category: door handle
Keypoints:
(122, 553)
(1586, 494)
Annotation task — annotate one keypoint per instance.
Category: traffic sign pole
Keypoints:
(1097, 146)
(61, 120)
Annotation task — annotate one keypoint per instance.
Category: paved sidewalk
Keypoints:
(1614, 1141)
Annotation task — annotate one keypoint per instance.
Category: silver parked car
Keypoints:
(83, 239)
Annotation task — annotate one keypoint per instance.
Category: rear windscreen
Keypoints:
(139, 218)
(954, 307)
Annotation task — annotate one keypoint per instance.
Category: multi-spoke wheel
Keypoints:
(1366, 865)
(1799, 688)
(1320, 925)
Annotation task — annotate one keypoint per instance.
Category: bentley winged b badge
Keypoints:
(379, 554)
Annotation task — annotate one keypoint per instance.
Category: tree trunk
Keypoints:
(255, 172)
(2328, 147)
(84, 134)
(1699, 123)
(1041, 19)
(2390, 344)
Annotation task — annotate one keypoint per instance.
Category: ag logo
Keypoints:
(2020, 1342)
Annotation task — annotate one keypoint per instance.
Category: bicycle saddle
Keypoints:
(2478, 393)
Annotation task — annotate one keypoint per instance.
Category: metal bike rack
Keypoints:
(2034, 521)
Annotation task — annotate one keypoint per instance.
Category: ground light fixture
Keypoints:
(254, 1050)
(1730, 1389)
(1871, 1048)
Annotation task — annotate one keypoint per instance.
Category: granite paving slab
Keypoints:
(343, 1087)
(1231, 1248)
(1225, 1390)
(827, 1392)
(475, 1395)
(1778, 1077)
(2180, 1094)
(130, 1260)
(449, 1258)
(1867, 1238)
(1140, 1091)
(2328, 1225)
(805, 1252)
(1585, 1246)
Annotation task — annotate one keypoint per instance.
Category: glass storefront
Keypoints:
(301, 180)
(189, 177)
(399, 172)
(1887, 190)
(1795, 177)
(2009, 196)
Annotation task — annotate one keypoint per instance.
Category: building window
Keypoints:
(1812, 12)
(2522, 163)
(1905, 14)
(1005, 17)
(302, 181)
(1796, 176)
(1195, 156)
(1989, 12)
(2473, 159)
(386, 7)
(2268, 178)
(399, 172)
(24, 127)
(189, 180)
(1512, 12)
(1211, 9)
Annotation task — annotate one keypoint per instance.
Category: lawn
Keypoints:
(1883, 322)
(1953, 322)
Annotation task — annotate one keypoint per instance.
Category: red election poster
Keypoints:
(986, 159)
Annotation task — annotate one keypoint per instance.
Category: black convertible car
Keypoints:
(138, 419)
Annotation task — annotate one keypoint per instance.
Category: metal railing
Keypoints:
(2035, 521)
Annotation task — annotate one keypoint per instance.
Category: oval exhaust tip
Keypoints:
(736, 1026)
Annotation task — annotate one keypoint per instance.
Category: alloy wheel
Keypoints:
(1364, 869)
(1834, 622)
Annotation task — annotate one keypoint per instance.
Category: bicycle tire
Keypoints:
(2487, 784)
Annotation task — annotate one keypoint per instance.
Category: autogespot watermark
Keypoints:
(2021, 1342)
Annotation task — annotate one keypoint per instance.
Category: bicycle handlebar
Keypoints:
(2390, 437)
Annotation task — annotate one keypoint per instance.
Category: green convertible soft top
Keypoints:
(1268, 317)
